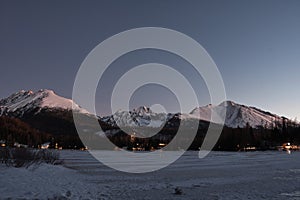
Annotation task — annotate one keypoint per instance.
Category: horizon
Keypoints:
(149, 106)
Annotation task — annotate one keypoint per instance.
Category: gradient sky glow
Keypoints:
(255, 44)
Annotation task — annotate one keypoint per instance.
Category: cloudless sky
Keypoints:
(255, 44)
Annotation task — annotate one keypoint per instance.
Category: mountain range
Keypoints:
(27, 104)
(33, 118)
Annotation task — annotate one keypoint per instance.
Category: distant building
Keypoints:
(18, 145)
(45, 145)
(2, 143)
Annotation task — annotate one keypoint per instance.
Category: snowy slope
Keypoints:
(237, 115)
(24, 101)
(141, 116)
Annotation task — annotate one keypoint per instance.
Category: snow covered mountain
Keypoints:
(27, 101)
(237, 115)
(24, 102)
(141, 116)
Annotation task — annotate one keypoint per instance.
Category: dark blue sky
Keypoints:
(255, 44)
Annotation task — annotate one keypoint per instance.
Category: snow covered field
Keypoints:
(221, 175)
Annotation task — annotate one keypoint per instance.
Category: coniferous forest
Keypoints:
(60, 131)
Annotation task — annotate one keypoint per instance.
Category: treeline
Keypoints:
(231, 139)
(58, 129)
(263, 137)
(14, 130)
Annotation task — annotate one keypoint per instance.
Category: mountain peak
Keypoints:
(46, 91)
(142, 110)
(140, 116)
(26, 100)
(228, 103)
(237, 115)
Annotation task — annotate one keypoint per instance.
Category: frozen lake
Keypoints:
(221, 175)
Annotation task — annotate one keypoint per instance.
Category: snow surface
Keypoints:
(23, 101)
(44, 182)
(221, 175)
(237, 115)
(141, 116)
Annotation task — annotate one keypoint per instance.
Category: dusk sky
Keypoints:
(255, 44)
